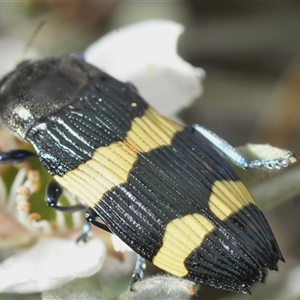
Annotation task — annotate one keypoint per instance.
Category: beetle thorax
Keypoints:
(37, 89)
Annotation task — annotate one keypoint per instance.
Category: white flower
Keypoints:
(53, 260)
(145, 54)
(50, 263)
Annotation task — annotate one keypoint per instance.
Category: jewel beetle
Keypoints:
(163, 188)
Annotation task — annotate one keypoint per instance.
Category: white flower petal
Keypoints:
(49, 264)
(145, 54)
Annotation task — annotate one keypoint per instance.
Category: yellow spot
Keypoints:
(228, 197)
(111, 165)
(151, 131)
(182, 236)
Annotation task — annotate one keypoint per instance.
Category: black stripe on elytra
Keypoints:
(255, 234)
(238, 258)
(102, 114)
(173, 181)
(164, 184)
(249, 225)
(221, 262)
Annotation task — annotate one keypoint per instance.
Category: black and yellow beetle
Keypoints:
(161, 187)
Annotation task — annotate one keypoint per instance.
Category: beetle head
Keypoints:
(37, 89)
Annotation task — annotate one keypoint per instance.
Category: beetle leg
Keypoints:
(54, 192)
(85, 233)
(91, 215)
(237, 158)
(16, 156)
(138, 272)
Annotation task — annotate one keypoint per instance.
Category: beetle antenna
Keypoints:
(31, 41)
